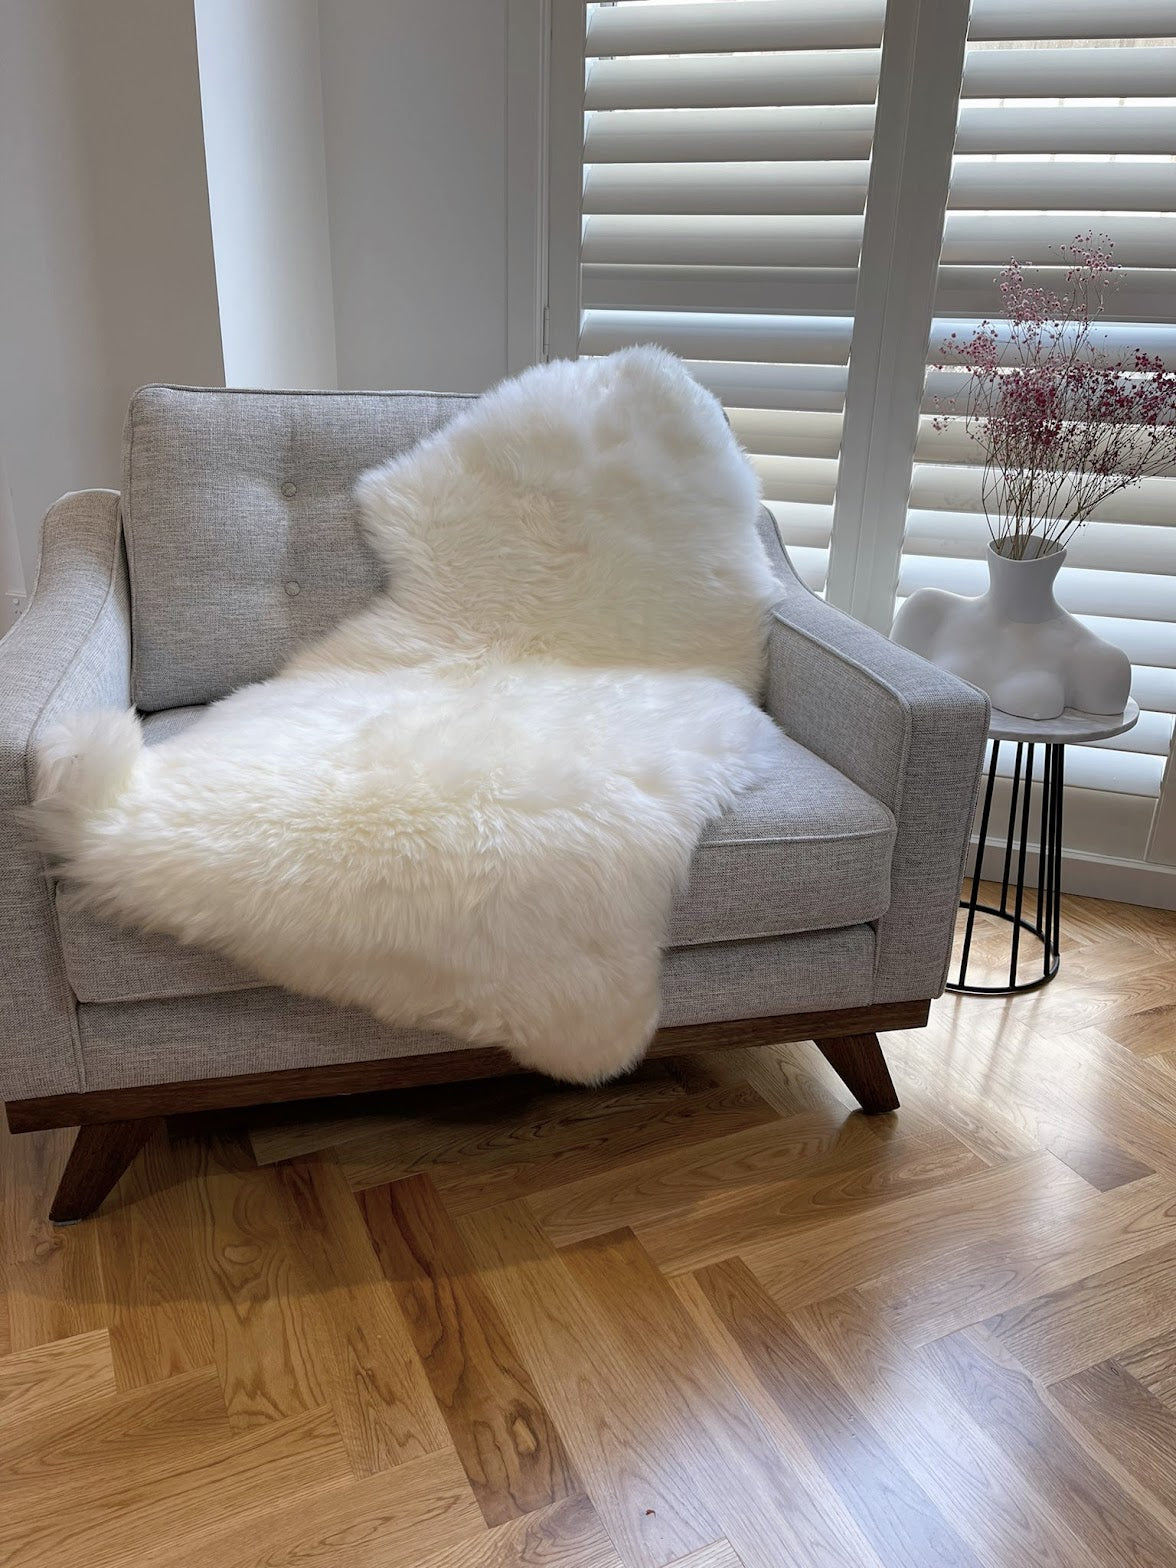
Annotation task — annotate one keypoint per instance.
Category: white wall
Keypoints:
(391, 117)
(414, 110)
(13, 583)
(106, 268)
(267, 184)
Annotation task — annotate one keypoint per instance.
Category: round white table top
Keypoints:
(1069, 728)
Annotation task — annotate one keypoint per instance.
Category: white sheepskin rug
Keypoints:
(468, 807)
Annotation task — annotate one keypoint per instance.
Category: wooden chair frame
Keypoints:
(113, 1124)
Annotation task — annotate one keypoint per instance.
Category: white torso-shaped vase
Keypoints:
(1016, 642)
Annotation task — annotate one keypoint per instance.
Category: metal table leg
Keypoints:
(1045, 926)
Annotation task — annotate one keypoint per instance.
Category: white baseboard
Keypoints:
(1097, 876)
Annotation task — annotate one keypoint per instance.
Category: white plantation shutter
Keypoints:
(761, 186)
(726, 160)
(1067, 124)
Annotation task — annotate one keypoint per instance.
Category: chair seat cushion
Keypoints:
(806, 851)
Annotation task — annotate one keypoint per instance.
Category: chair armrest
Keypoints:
(910, 735)
(70, 650)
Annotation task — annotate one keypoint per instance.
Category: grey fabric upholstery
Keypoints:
(912, 736)
(244, 498)
(69, 650)
(265, 1030)
(106, 964)
(807, 851)
(831, 888)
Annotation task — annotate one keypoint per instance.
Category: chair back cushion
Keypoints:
(241, 528)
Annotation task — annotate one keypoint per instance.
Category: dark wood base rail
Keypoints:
(115, 1123)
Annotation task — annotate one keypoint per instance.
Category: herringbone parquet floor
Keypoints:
(706, 1316)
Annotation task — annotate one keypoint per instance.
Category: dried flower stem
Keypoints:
(1063, 423)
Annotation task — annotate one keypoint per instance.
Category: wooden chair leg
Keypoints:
(858, 1061)
(101, 1152)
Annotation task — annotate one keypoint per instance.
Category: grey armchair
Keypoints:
(821, 908)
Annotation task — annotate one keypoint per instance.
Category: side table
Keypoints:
(1053, 736)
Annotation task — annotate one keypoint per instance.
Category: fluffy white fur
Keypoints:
(469, 806)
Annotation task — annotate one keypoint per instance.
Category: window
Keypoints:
(728, 151)
(726, 160)
(1059, 135)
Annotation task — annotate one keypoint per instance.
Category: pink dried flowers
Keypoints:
(1063, 421)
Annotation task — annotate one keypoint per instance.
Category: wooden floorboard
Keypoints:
(706, 1317)
(891, 1508)
(505, 1438)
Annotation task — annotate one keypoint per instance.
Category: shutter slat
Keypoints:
(814, 340)
(714, 135)
(1108, 547)
(1146, 295)
(812, 479)
(1111, 337)
(718, 27)
(1125, 595)
(1144, 642)
(1107, 786)
(1066, 19)
(786, 290)
(952, 487)
(993, 237)
(1094, 185)
(1070, 73)
(1068, 128)
(800, 187)
(944, 440)
(1117, 772)
(946, 388)
(729, 81)
(1154, 689)
(845, 132)
(787, 435)
(1151, 737)
(811, 566)
(802, 523)
(757, 241)
(803, 388)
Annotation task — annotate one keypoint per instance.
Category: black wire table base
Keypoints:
(1043, 923)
